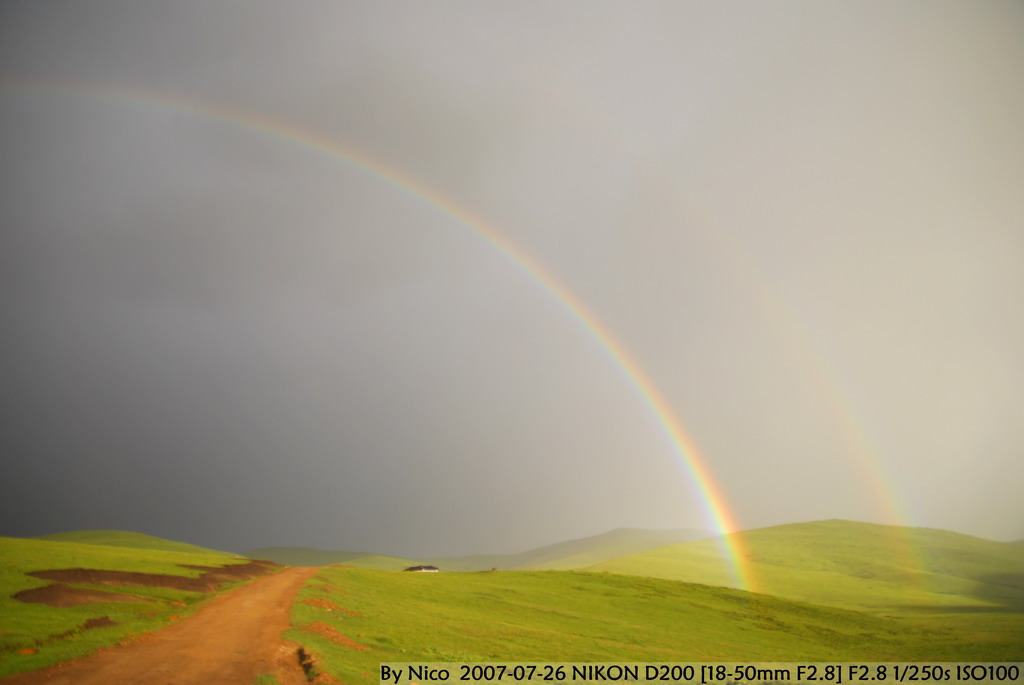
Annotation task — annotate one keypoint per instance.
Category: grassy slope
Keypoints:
(933, 577)
(853, 565)
(562, 555)
(122, 538)
(574, 616)
(25, 626)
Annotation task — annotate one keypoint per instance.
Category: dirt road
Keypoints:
(230, 641)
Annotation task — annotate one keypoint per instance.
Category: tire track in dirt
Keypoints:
(231, 640)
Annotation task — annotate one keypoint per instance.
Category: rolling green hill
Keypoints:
(932, 576)
(352, 619)
(563, 555)
(122, 538)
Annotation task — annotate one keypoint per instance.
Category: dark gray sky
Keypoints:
(804, 221)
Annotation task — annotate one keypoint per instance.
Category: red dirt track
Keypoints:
(231, 640)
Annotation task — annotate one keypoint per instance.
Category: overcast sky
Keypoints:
(803, 220)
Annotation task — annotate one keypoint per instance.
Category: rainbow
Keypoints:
(686, 450)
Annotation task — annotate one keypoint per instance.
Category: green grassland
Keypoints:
(578, 616)
(56, 632)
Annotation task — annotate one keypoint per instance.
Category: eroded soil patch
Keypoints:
(59, 591)
(97, 622)
(329, 606)
(321, 628)
(311, 669)
(61, 595)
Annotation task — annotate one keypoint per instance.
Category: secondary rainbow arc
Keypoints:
(863, 454)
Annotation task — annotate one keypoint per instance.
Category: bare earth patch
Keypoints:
(97, 622)
(213, 577)
(329, 605)
(321, 628)
(61, 595)
(330, 588)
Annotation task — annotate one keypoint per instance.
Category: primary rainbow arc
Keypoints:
(682, 444)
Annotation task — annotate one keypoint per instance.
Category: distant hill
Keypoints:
(562, 555)
(585, 551)
(854, 565)
(307, 556)
(122, 538)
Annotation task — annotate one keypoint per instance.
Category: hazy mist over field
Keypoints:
(804, 221)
